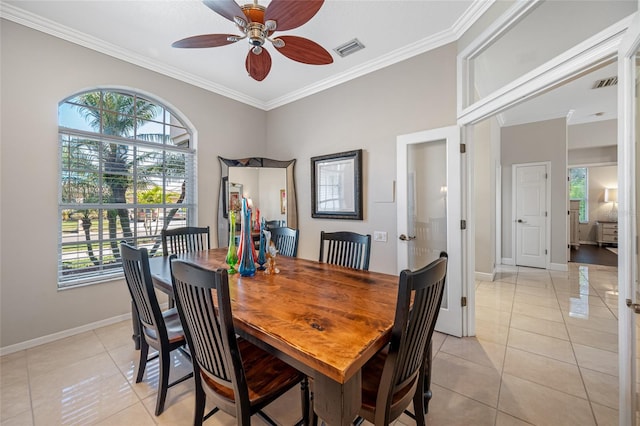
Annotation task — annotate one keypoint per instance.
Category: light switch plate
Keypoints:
(380, 236)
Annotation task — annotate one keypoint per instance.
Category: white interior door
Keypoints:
(429, 212)
(530, 200)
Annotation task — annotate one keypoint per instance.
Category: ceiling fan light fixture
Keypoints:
(240, 22)
(257, 24)
(270, 25)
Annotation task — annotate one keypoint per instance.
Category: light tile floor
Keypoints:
(545, 354)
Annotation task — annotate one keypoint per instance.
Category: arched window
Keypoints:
(126, 172)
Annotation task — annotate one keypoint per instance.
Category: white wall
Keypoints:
(367, 113)
(529, 143)
(38, 71)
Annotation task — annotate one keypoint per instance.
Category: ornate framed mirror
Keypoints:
(269, 183)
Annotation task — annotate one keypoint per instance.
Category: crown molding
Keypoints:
(470, 16)
(399, 55)
(52, 28)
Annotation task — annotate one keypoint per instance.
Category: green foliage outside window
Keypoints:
(579, 189)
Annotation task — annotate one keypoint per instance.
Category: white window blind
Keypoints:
(126, 173)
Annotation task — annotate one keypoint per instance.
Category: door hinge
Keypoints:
(545, 251)
(546, 175)
(463, 148)
(463, 301)
(463, 224)
(546, 214)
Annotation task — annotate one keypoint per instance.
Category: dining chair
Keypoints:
(185, 239)
(286, 240)
(159, 330)
(270, 224)
(239, 377)
(345, 249)
(397, 374)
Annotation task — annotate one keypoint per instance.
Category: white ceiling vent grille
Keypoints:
(349, 47)
(605, 82)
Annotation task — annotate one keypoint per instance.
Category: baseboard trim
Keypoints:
(62, 334)
(485, 276)
(559, 267)
(508, 261)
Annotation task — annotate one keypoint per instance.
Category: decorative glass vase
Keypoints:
(232, 253)
(247, 266)
(262, 251)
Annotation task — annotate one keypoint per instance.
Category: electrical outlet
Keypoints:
(380, 236)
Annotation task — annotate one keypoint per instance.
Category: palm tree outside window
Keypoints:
(126, 173)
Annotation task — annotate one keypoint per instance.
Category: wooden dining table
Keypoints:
(325, 320)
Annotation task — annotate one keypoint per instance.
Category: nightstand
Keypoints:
(607, 232)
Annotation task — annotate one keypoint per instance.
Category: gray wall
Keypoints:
(367, 113)
(486, 142)
(38, 71)
(530, 143)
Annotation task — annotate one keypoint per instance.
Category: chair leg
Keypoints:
(198, 416)
(142, 362)
(427, 379)
(163, 384)
(419, 406)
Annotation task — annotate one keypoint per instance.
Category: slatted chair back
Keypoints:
(401, 379)
(345, 249)
(159, 330)
(218, 354)
(135, 262)
(211, 350)
(286, 240)
(185, 240)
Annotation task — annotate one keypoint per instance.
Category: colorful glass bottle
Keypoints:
(232, 254)
(262, 259)
(247, 266)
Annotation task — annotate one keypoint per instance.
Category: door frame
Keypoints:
(587, 55)
(547, 231)
(628, 245)
(455, 273)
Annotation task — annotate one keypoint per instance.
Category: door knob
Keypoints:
(521, 221)
(405, 238)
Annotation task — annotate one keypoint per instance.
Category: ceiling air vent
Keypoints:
(349, 47)
(605, 82)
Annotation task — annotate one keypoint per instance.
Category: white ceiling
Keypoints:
(141, 32)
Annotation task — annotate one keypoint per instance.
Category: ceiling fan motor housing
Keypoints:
(256, 33)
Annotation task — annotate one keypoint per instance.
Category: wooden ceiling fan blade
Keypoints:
(290, 14)
(303, 50)
(205, 40)
(226, 8)
(258, 66)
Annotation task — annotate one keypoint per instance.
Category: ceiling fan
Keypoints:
(258, 24)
